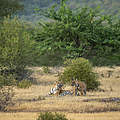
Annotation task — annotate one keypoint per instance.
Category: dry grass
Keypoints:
(72, 116)
(28, 105)
(18, 116)
(96, 116)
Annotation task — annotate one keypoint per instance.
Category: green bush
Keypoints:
(46, 69)
(51, 116)
(81, 69)
(7, 80)
(24, 84)
(16, 48)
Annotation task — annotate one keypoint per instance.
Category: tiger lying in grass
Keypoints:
(57, 89)
(78, 86)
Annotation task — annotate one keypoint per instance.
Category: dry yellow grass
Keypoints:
(18, 116)
(74, 107)
(72, 116)
(95, 116)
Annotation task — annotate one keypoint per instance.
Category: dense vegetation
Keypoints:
(106, 6)
(85, 33)
(15, 50)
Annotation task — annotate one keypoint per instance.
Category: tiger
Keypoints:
(57, 89)
(78, 86)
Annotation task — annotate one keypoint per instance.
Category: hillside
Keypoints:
(106, 7)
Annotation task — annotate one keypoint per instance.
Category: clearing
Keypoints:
(98, 105)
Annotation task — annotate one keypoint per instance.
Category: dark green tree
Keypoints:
(8, 7)
(79, 33)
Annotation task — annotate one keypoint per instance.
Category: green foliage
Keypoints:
(46, 69)
(49, 59)
(79, 33)
(110, 60)
(51, 116)
(7, 80)
(24, 84)
(8, 7)
(106, 6)
(6, 97)
(80, 69)
(16, 49)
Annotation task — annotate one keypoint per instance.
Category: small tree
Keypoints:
(80, 69)
(15, 48)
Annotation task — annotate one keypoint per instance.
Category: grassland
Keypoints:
(97, 105)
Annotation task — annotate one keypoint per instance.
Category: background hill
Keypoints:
(111, 7)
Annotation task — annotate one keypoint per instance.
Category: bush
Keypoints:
(6, 95)
(51, 116)
(7, 80)
(16, 48)
(46, 69)
(80, 69)
(24, 84)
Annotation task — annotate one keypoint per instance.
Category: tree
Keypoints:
(16, 49)
(8, 7)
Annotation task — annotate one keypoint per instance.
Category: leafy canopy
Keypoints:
(78, 33)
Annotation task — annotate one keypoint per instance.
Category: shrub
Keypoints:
(16, 48)
(81, 69)
(46, 69)
(6, 95)
(51, 116)
(7, 80)
(24, 84)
